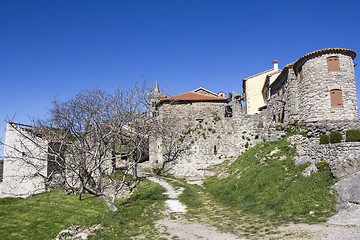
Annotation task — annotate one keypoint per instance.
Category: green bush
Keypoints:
(336, 137)
(324, 139)
(353, 135)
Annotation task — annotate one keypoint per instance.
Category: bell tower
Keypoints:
(153, 99)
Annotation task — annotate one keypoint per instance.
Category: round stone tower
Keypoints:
(326, 85)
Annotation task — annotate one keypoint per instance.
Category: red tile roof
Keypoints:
(192, 96)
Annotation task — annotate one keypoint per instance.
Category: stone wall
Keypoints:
(210, 137)
(24, 161)
(343, 158)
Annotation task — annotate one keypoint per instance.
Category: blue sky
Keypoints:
(55, 48)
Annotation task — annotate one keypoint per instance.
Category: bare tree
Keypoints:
(81, 136)
(174, 145)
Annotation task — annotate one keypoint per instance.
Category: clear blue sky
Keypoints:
(55, 48)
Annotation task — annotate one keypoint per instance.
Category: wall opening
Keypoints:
(336, 98)
(333, 64)
(283, 88)
(228, 111)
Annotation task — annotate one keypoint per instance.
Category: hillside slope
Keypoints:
(265, 181)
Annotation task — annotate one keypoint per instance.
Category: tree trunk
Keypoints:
(108, 203)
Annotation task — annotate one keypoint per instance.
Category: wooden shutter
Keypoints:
(301, 75)
(336, 98)
(333, 64)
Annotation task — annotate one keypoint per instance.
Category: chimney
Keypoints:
(276, 65)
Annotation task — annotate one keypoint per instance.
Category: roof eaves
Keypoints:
(245, 79)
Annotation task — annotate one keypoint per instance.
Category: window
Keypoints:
(278, 92)
(333, 64)
(301, 74)
(283, 88)
(336, 98)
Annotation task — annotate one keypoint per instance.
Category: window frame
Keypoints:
(332, 66)
(336, 98)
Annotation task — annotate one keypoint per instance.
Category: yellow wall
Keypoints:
(254, 98)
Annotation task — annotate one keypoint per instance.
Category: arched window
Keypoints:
(336, 98)
(333, 64)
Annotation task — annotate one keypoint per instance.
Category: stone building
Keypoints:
(25, 162)
(317, 90)
(201, 129)
(319, 86)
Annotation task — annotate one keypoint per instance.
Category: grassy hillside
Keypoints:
(44, 215)
(275, 189)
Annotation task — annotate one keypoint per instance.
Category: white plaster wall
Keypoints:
(23, 160)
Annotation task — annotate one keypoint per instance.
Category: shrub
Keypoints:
(324, 139)
(353, 135)
(336, 137)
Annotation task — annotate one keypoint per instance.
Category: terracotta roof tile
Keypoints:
(326, 50)
(192, 96)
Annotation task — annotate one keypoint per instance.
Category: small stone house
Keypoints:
(25, 162)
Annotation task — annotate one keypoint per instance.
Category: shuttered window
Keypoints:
(301, 74)
(283, 88)
(336, 98)
(333, 64)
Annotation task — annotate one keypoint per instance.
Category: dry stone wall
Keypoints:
(210, 136)
(343, 158)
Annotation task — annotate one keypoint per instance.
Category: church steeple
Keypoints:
(154, 98)
(156, 88)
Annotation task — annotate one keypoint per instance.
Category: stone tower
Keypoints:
(154, 98)
(326, 85)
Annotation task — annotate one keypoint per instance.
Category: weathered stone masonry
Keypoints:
(302, 92)
(300, 95)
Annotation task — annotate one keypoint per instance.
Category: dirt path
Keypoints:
(176, 226)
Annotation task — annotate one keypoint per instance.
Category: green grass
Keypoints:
(276, 189)
(44, 215)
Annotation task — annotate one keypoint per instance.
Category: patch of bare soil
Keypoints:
(318, 231)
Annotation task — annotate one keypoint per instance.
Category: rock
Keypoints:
(310, 169)
(76, 232)
(296, 139)
(348, 216)
(276, 150)
(81, 235)
(223, 175)
(348, 191)
(346, 164)
(263, 160)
